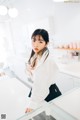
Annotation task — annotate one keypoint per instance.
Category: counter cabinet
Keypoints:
(65, 107)
(67, 82)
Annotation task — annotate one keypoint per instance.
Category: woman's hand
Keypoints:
(28, 110)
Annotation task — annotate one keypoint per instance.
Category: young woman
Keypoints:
(42, 70)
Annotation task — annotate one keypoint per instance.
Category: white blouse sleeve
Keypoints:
(42, 81)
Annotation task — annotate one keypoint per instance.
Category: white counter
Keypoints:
(66, 107)
(71, 68)
(70, 103)
(13, 98)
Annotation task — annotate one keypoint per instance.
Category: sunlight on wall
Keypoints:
(5, 43)
(2, 45)
(3, 53)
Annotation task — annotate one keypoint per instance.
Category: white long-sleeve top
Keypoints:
(43, 76)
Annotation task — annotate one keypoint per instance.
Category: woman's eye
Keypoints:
(41, 41)
(33, 40)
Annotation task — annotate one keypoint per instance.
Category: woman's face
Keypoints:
(38, 43)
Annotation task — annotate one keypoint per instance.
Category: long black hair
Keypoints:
(44, 34)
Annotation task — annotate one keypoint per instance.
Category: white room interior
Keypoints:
(61, 19)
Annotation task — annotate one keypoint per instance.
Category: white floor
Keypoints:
(13, 97)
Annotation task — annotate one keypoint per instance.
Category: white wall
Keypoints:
(61, 19)
(67, 22)
(6, 44)
(63, 24)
